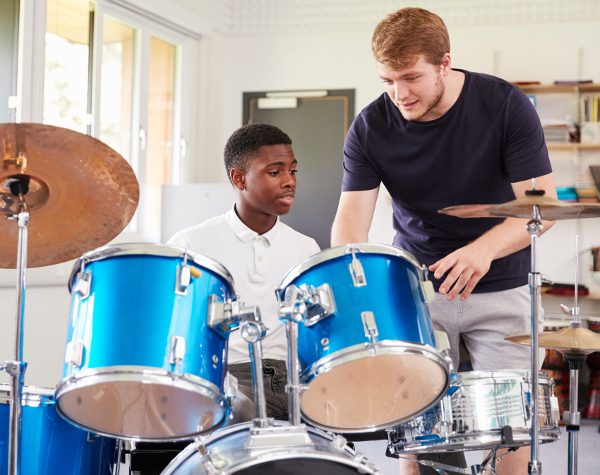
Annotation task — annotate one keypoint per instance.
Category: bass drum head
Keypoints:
(228, 454)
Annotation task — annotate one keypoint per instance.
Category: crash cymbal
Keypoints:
(550, 209)
(577, 341)
(81, 194)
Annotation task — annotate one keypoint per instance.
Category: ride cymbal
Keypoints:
(574, 341)
(550, 209)
(81, 194)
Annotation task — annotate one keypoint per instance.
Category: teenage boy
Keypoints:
(440, 137)
(257, 249)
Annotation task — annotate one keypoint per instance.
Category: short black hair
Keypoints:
(245, 143)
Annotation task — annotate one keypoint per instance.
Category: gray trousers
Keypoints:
(275, 376)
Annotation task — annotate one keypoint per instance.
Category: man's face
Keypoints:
(416, 90)
(270, 180)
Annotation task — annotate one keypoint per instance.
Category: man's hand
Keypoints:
(467, 266)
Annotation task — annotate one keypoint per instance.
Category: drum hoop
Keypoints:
(472, 377)
(143, 374)
(451, 444)
(386, 347)
(266, 456)
(340, 251)
(32, 396)
(149, 249)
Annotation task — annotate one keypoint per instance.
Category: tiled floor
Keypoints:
(554, 456)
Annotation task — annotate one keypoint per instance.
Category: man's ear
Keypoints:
(238, 178)
(446, 64)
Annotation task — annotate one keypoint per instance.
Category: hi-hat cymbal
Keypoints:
(550, 209)
(575, 341)
(81, 194)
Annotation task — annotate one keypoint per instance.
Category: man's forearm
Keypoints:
(508, 237)
(344, 233)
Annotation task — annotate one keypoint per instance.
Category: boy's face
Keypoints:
(269, 183)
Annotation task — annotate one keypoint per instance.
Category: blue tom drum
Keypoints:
(373, 362)
(49, 444)
(141, 362)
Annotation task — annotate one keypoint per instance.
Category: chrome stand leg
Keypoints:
(572, 417)
(16, 368)
(293, 387)
(534, 227)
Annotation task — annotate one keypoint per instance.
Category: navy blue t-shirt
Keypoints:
(491, 137)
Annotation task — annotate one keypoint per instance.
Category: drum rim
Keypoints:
(385, 347)
(498, 374)
(451, 444)
(150, 249)
(340, 251)
(39, 397)
(90, 377)
(282, 453)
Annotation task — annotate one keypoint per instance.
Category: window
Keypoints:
(117, 74)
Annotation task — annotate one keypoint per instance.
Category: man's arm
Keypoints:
(469, 264)
(353, 218)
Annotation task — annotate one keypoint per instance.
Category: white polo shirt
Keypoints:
(257, 264)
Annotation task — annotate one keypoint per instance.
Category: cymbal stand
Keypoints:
(534, 228)
(16, 368)
(572, 417)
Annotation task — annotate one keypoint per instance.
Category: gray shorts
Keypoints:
(484, 320)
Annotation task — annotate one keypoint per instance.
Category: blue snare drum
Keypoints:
(141, 362)
(374, 362)
(50, 445)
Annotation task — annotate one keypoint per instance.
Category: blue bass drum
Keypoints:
(375, 361)
(49, 444)
(141, 362)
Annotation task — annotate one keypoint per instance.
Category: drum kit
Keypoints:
(146, 349)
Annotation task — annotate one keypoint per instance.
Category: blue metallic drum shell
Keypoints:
(126, 383)
(50, 445)
(392, 378)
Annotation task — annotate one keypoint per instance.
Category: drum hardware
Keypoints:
(319, 302)
(184, 276)
(292, 310)
(368, 320)
(224, 317)
(74, 355)
(177, 352)
(356, 269)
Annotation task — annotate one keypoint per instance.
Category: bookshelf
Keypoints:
(553, 88)
(564, 89)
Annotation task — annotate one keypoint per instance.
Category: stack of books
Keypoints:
(556, 133)
(588, 109)
(595, 171)
(586, 192)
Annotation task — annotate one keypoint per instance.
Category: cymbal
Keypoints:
(81, 195)
(576, 341)
(550, 209)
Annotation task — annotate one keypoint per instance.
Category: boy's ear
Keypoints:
(238, 178)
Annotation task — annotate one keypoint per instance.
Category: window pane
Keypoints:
(66, 64)
(117, 86)
(160, 128)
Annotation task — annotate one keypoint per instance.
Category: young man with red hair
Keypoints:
(440, 137)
